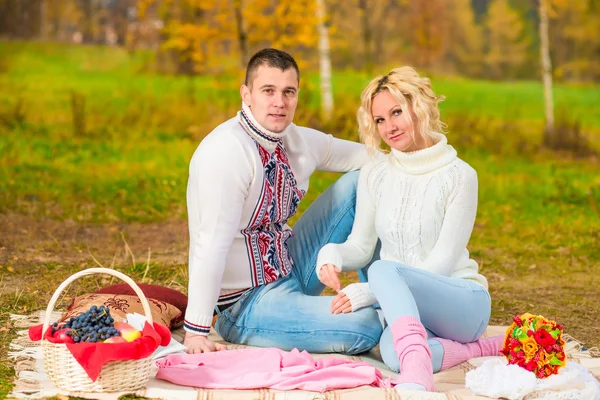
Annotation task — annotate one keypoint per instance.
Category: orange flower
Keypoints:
(530, 347)
(544, 358)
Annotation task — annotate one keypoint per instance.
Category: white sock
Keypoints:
(410, 386)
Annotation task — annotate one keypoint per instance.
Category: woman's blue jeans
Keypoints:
(449, 308)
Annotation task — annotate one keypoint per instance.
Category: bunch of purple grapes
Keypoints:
(94, 325)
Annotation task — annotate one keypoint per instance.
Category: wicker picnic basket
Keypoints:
(115, 376)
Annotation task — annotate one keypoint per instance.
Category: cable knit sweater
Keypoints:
(245, 183)
(422, 205)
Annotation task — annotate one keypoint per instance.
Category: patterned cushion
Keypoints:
(156, 292)
(122, 304)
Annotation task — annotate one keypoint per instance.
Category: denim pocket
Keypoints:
(233, 312)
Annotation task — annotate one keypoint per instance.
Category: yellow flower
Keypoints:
(530, 347)
(527, 316)
(544, 358)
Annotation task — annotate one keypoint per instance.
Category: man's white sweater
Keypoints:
(245, 183)
(422, 205)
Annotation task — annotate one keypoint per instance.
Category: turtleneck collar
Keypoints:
(425, 160)
(269, 140)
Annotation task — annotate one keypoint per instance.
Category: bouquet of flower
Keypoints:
(536, 344)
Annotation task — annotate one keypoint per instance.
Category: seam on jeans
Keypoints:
(242, 302)
(337, 221)
(233, 321)
(436, 276)
(481, 329)
(362, 335)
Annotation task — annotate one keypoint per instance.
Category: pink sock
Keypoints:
(456, 352)
(410, 342)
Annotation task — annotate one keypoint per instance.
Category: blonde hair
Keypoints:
(413, 92)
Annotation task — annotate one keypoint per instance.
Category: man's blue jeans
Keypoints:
(290, 313)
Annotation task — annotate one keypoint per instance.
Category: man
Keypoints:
(247, 178)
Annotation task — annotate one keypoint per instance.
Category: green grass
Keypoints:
(513, 101)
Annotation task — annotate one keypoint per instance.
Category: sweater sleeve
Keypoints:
(220, 176)
(358, 249)
(332, 154)
(360, 295)
(457, 226)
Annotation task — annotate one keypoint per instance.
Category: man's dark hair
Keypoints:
(273, 58)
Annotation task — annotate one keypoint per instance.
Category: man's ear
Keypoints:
(245, 93)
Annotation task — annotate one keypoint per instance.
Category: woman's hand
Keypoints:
(341, 304)
(200, 344)
(329, 277)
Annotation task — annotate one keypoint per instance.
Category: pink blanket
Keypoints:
(255, 368)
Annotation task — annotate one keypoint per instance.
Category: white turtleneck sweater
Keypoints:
(244, 184)
(422, 205)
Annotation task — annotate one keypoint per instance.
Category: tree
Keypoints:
(506, 43)
(426, 30)
(324, 62)
(242, 33)
(290, 25)
(463, 43)
(574, 39)
(546, 72)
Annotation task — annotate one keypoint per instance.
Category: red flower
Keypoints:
(559, 327)
(530, 333)
(517, 320)
(540, 373)
(544, 338)
(556, 348)
(531, 366)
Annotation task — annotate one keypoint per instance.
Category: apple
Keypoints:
(128, 332)
(62, 337)
(115, 339)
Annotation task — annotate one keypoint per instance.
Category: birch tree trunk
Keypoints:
(324, 62)
(242, 34)
(43, 19)
(546, 73)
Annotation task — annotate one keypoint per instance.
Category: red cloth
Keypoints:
(93, 356)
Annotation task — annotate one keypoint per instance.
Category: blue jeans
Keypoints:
(290, 313)
(449, 308)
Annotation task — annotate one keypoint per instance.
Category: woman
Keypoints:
(420, 201)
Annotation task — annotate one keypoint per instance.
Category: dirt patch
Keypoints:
(25, 240)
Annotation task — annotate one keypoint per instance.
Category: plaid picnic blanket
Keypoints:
(32, 382)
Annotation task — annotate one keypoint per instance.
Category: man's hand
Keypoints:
(341, 304)
(329, 277)
(200, 344)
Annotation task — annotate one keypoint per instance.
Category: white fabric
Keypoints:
(224, 186)
(422, 205)
(495, 378)
(359, 295)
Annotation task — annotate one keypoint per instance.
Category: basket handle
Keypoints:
(92, 271)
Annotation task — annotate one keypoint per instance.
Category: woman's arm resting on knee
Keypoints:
(353, 297)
